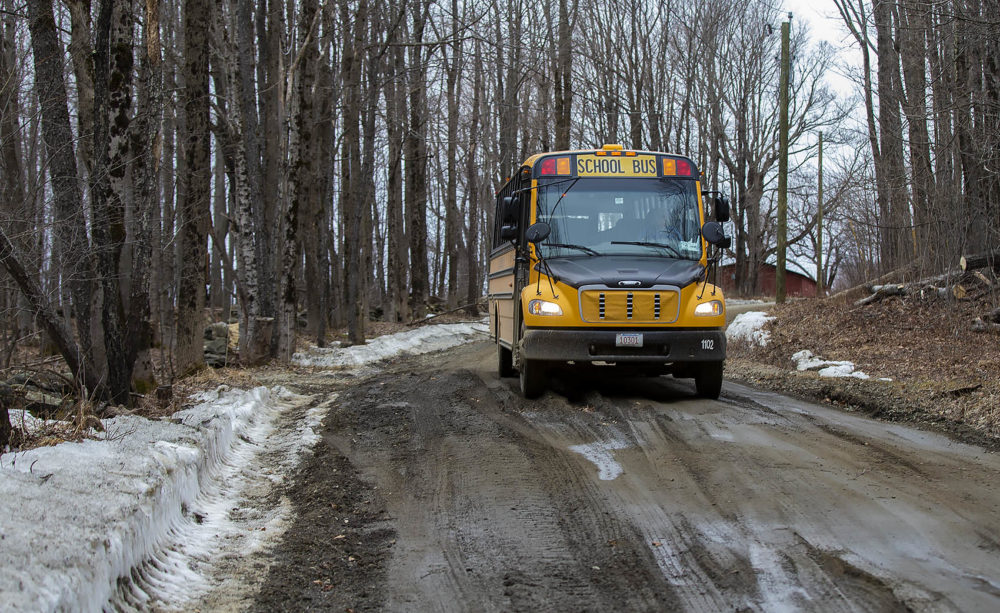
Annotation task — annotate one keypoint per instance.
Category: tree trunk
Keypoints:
(258, 203)
(913, 22)
(113, 63)
(270, 29)
(416, 163)
(395, 95)
(563, 75)
(894, 219)
(474, 184)
(196, 183)
(301, 175)
(452, 94)
(82, 52)
(352, 187)
(147, 142)
(71, 232)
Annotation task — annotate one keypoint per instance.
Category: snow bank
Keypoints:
(805, 360)
(749, 327)
(419, 340)
(77, 516)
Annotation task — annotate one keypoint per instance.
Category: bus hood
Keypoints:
(625, 272)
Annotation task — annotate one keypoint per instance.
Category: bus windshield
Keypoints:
(612, 216)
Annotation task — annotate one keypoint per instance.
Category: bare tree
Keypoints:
(196, 183)
(71, 234)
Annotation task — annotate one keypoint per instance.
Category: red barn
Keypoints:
(796, 284)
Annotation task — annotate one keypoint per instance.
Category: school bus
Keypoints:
(602, 258)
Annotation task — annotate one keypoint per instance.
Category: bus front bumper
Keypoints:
(658, 346)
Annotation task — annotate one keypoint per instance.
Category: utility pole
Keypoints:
(819, 224)
(779, 277)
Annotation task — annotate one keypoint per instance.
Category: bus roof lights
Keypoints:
(676, 167)
(563, 166)
(556, 166)
(610, 147)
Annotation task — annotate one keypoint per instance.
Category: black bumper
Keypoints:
(658, 346)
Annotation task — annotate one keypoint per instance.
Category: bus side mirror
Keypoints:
(537, 232)
(508, 233)
(714, 234)
(721, 209)
(510, 209)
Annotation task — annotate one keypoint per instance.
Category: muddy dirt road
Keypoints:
(437, 488)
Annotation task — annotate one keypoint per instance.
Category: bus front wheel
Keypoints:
(505, 361)
(708, 380)
(532, 378)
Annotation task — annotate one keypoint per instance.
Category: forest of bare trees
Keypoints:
(930, 86)
(310, 165)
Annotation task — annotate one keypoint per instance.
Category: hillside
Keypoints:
(925, 361)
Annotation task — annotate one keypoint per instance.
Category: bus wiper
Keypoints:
(586, 250)
(648, 244)
(561, 196)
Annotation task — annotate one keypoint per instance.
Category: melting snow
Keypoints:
(420, 340)
(805, 360)
(608, 469)
(749, 327)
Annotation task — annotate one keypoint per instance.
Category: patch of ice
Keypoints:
(608, 469)
(749, 327)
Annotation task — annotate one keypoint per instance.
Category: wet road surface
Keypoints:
(438, 488)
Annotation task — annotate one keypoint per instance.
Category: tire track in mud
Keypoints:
(491, 520)
(728, 520)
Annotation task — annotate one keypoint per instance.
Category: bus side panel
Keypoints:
(501, 294)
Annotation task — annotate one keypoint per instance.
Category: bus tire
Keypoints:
(532, 378)
(708, 380)
(505, 361)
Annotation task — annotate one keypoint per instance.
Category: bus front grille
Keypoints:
(650, 306)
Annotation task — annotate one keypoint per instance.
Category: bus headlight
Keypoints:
(544, 307)
(708, 309)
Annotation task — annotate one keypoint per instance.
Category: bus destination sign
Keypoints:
(605, 166)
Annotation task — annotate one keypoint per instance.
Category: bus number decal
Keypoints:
(708, 344)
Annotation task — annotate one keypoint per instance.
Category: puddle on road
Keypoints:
(600, 454)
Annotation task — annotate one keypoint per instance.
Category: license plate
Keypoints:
(627, 339)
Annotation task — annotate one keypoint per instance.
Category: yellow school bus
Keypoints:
(602, 258)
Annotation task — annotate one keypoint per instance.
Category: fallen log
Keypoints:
(978, 325)
(883, 291)
(858, 291)
(986, 280)
(980, 260)
(420, 322)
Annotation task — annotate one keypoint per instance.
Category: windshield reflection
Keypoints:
(589, 217)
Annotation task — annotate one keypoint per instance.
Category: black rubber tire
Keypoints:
(505, 361)
(532, 372)
(708, 380)
(532, 378)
